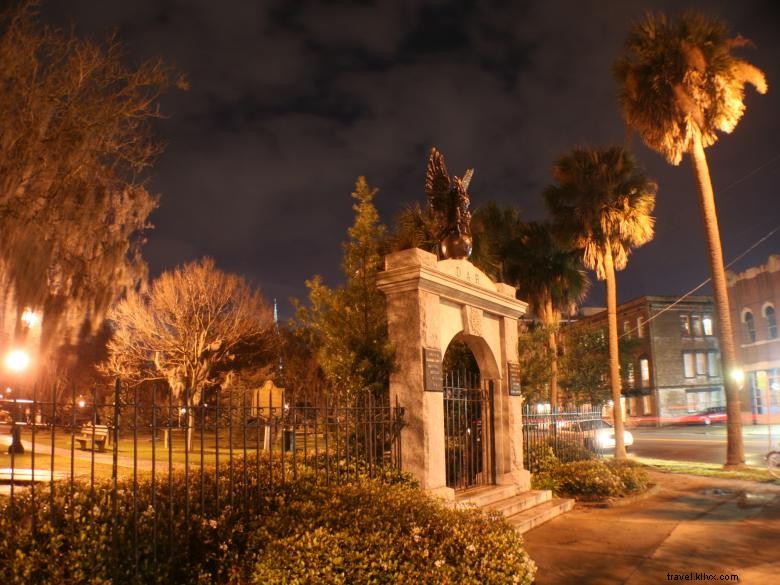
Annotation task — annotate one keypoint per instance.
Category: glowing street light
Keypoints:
(30, 318)
(17, 360)
(738, 375)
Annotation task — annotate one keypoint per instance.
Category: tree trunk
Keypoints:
(735, 450)
(549, 320)
(614, 361)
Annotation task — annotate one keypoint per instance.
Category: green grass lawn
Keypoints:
(707, 469)
(141, 450)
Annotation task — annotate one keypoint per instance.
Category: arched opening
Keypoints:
(750, 327)
(468, 414)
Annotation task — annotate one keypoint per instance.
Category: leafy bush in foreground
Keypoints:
(633, 475)
(369, 533)
(588, 479)
(298, 531)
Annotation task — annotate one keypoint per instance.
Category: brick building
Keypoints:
(675, 367)
(754, 296)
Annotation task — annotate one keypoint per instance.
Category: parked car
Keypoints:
(597, 434)
(708, 416)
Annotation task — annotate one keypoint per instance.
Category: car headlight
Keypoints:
(605, 439)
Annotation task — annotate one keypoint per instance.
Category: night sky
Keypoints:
(290, 101)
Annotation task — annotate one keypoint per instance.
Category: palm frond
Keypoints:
(678, 80)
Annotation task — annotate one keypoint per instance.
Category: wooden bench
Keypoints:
(96, 436)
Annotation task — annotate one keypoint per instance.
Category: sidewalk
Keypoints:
(693, 525)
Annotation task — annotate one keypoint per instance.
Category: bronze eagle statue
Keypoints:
(448, 207)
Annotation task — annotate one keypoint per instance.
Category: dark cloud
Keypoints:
(292, 100)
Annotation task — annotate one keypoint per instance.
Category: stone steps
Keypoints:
(528, 519)
(524, 510)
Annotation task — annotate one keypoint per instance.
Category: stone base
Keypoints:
(519, 477)
(444, 493)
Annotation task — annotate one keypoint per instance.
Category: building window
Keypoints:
(750, 326)
(644, 372)
(713, 371)
(689, 364)
(771, 322)
(630, 375)
(647, 405)
(685, 325)
(701, 363)
(640, 327)
(696, 326)
(706, 323)
(627, 329)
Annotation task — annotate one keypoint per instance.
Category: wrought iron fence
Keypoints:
(222, 450)
(571, 435)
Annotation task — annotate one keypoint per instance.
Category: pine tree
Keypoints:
(348, 324)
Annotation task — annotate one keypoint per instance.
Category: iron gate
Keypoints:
(468, 430)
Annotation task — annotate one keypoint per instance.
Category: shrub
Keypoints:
(541, 458)
(185, 530)
(372, 533)
(590, 479)
(545, 456)
(567, 452)
(631, 474)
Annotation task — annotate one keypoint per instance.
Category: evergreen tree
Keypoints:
(348, 324)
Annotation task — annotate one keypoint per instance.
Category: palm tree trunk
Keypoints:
(549, 320)
(614, 362)
(735, 450)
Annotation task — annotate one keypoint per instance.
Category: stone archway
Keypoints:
(430, 303)
(468, 413)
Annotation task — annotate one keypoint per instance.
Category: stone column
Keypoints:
(412, 319)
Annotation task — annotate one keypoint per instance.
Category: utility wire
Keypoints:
(754, 245)
(737, 259)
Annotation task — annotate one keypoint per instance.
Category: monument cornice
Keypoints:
(448, 286)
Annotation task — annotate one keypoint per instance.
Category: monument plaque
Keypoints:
(433, 370)
(513, 372)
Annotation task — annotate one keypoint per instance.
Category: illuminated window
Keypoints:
(647, 405)
(696, 325)
(706, 323)
(630, 375)
(771, 321)
(689, 364)
(685, 325)
(644, 371)
(701, 363)
(640, 327)
(750, 326)
(627, 329)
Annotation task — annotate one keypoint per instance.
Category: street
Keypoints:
(705, 444)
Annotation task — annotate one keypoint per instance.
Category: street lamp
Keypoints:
(17, 361)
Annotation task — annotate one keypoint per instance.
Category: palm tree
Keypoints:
(601, 206)
(550, 278)
(414, 228)
(494, 227)
(679, 85)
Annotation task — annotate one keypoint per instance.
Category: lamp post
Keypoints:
(17, 361)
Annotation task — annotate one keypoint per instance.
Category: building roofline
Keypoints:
(649, 300)
(772, 265)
